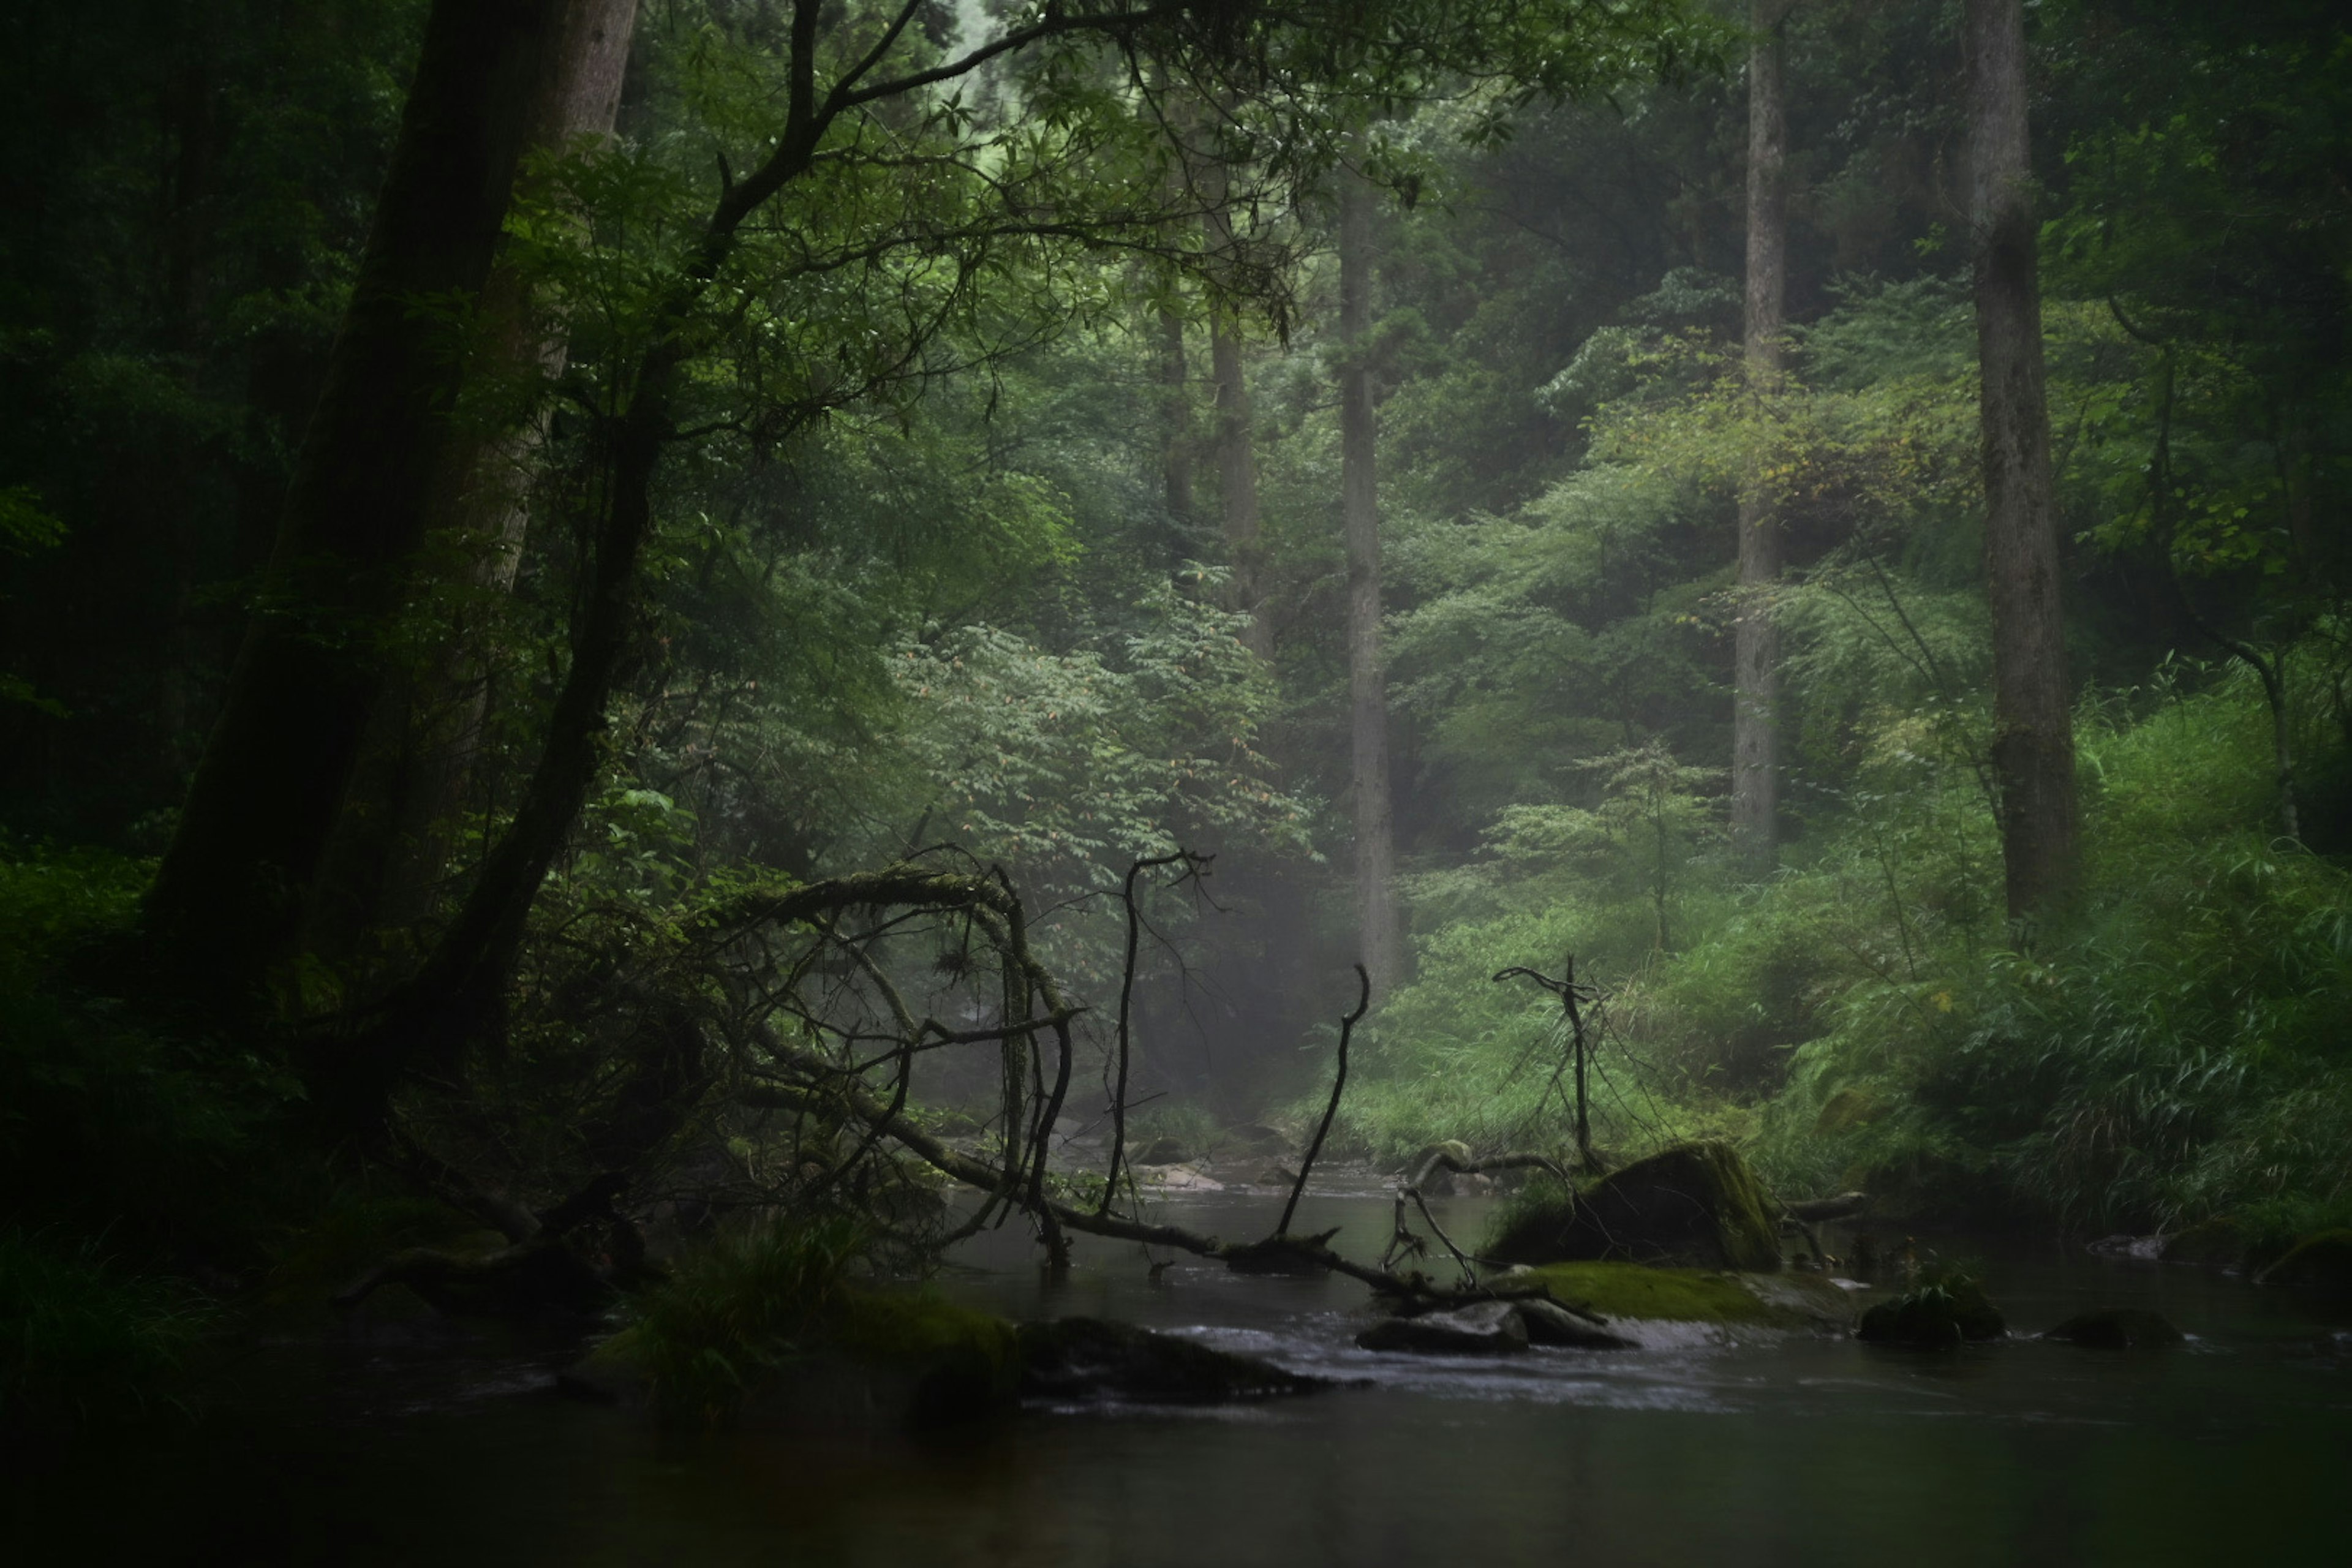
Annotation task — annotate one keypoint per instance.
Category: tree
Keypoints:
(1377, 915)
(393, 835)
(2033, 738)
(262, 807)
(1755, 750)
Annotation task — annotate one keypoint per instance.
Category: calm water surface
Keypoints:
(2236, 1449)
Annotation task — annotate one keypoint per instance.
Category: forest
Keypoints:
(666, 668)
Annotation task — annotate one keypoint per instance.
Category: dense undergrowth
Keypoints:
(2173, 1050)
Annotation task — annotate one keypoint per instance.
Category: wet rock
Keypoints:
(1178, 1179)
(1162, 1151)
(1483, 1328)
(1633, 1292)
(2207, 1244)
(2318, 1262)
(1693, 1205)
(1257, 1138)
(2116, 1328)
(1549, 1323)
(2138, 1248)
(1092, 1358)
(1940, 1313)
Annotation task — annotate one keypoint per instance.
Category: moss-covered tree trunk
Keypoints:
(259, 817)
(2034, 737)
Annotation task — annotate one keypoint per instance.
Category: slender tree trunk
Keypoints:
(1756, 652)
(262, 806)
(391, 843)
(2034, 737)
(1237, 454)
(1176, 432)
(1237, 483)
(1367, 682)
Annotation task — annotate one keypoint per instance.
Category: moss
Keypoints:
(1691, 1205)
(1850, 1107)
(1945, 1310)
(2318, 1262)
(2207, 1244)
(1633, 1290)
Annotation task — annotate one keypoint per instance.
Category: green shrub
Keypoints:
(83, 1341)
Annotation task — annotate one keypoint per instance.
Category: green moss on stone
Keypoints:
(1633, 1290)
(1691, 1206)
(2322, 1261)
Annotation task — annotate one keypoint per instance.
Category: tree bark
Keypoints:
(2033, 739)
(1237, 465)
(259, 814)
(390, 845)
(1756, 651)
(1376, 908)
(1175, 433)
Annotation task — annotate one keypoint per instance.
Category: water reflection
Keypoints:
(1701, 1448)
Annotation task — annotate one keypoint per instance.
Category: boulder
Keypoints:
(1095, 1358)
(2207, 1244)
(1624, 1292)
(1940, 1313)
(2116, 1328)
(1549, 1323)
(1694, 1206)
(1162, 1151)
(2136, 1248)
(2322, 1261)
(1483, 1328)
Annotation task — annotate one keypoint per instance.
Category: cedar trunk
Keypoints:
(2033, 740)
(1367, 685)
(391, 845)
(1756, 652)
(262, 806)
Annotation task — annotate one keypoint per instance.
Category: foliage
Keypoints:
(739, 1309)
(83, 1341)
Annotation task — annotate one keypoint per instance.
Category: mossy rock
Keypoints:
(1939, 1314)
(2117, 1328)
(2322, 1262)
(1094, 1358)
(883, 1360)
(1633, 1290)
(1694, 1206)
(2207, 1244)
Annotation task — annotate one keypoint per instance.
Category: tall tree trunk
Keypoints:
(1237, 483)
(1176, 435)
(391, 843)
(2034, 737)
(1755, 651)
(1367, 681)
(263, 803)
(1236, 451)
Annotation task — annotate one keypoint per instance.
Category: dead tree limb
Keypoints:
(1338, 1085)
(1125, 1005)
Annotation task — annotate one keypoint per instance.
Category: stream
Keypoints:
(1697, 1448)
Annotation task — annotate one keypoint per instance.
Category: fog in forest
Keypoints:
(737, 732)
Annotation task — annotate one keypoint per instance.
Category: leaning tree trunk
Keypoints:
(1366, 684)
(262, 806)
(1756, 651)
(386, 860)
(2033, 738)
